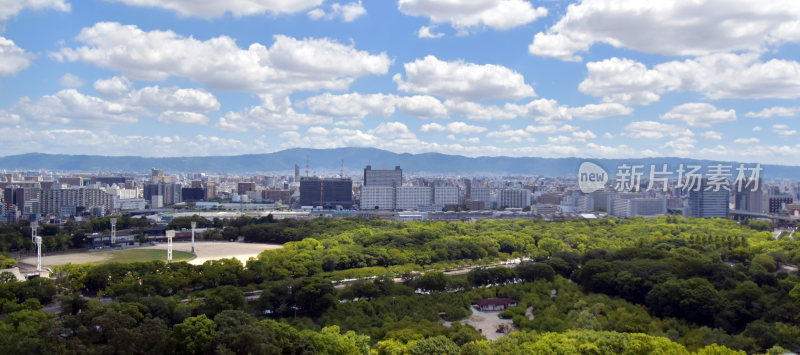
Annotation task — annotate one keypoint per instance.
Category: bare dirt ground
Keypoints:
(488, 322)
(204, 251)
(219, 250)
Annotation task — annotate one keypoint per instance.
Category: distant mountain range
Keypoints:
(355, 159)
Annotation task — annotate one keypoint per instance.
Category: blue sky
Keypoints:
(716, 79)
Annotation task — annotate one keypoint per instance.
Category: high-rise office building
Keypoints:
(383, 177)
(481, 193)
(777, 203)
(646, 207)
(244, 187)
(748, 198)
(326, 192)
(707, 203)
(170, 193)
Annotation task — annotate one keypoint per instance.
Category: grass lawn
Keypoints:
(134, 255)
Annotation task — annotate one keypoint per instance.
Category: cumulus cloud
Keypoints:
(477, 112)
(595, 112)
(393, 130)
(776, 111)
(465, 15)
(550, 129)
(716, 76)
(274, 113)
(113, 87)
(783, 130)
(726, 25)
(288, 65)
(183, 117)
(358, 106)
(713, 135)
(697, 114)
(70, 107)
(13, 59)
(70, 81)
(462, 81)
(237, 8)
(508, 134)
(655, 130)
(9, 8)
(463, 128)
(427, 32)
(347, 13)
(751, 140)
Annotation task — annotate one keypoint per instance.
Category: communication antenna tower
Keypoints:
(34, 227)
(306, 165)
(321, 191)
(341, 170)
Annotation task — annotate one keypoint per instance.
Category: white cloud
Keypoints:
(174, 98)
(348, 12)
(463, 128)
(422, 106)
(506, 133)
(113, 87)
(358, 106)
(594, 112)
(9, 8)
(426, 32)
(550, 129)
(352, 105)
(655, 130)
(699, 115)
(432, 127)
(183, 117)
(713, 135)
(623, 81)
(70, 81)
(783, 130)
(288, 65)
(393, 130)
(8, 118)
(477, 112)
(776, 111)
(13, 59)
(670, 27)
(71, 107)
(238, 8)
(467, 14)
(463, 81)
(756, 129)
(681, 143)
(274, 113)
(583, 136)
(751, 140)
(716, 76)
(546, 112)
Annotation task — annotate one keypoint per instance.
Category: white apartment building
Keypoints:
(380, 196)
(411, 197)
(446, 195)
(514, 198)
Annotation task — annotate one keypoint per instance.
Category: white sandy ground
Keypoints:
(219, 250)
(204, 251)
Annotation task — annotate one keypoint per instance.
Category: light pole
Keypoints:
(170, 235)
(34, 226)
(194, 224)
(38, 241)
(113, 231)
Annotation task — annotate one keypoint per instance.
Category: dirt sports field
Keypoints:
(181, 251)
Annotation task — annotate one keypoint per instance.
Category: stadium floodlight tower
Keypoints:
(34, 226)
(38, 241)
(113, 231)
(194, 225)
(170, 235)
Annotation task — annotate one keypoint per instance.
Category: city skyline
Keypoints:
(597, 79)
